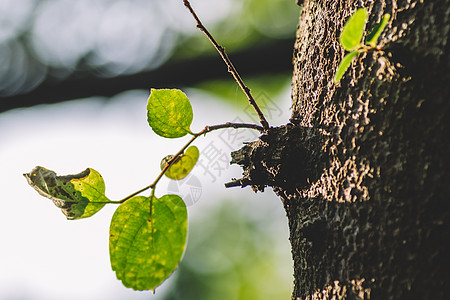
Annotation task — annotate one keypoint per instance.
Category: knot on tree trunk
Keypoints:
(287, 157)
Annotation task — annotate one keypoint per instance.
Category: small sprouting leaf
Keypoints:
(353, 30)
(78, 196)
(146, 243)
(169, 113)
(376, 31)
(344, 64)
(184, 164)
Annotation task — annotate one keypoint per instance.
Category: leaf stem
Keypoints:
(179, 153)
(230, 65)
(368, 48)
(151, 206)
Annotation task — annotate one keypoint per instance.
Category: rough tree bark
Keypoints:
(363, 166)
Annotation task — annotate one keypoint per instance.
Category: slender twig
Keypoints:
(179, 153)
(168, 164)
(233, 125)
(230, 66)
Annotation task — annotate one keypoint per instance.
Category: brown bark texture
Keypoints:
(363, 166)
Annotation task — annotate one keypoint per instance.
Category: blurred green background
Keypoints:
(74, 80)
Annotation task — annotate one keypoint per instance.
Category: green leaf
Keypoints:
(169, 113)
(78, 196)
(146, 244)
(184, 164)
(376, 31)
(353, 30)
(344, 64)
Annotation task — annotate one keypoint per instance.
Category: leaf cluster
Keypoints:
(147, 234)
(351, 38)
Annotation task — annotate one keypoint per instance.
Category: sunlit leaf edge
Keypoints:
(188, 160)
(353, 30)
(139, 207)
(157, 113)
(344, 64)
(376, 31)
(62, 190)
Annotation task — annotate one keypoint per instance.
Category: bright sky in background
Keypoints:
(45, 256)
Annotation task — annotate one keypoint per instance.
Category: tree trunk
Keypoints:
(363, 167)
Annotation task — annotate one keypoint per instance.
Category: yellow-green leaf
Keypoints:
(376, 31)
(353, 30)
(147, 240)
(184, 164)
(169, 113)
(79, 196)
(344, 64)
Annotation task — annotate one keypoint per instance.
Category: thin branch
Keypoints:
(230, 66)
(168, 164)
(134, 194)
(179, 153)
(173, 160)
(233, 125)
